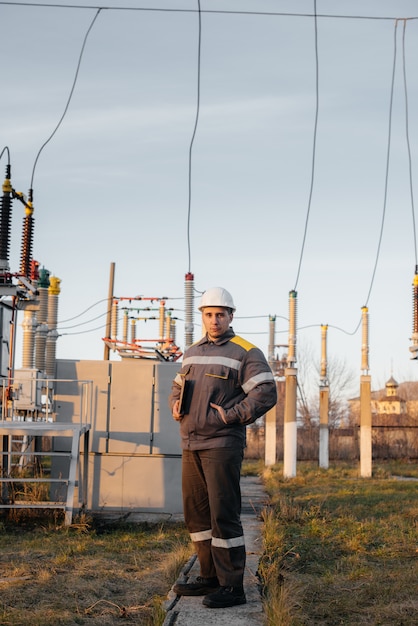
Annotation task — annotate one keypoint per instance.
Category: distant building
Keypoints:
(389, 403)
(395, 405)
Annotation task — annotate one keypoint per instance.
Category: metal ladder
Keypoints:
(11, 429)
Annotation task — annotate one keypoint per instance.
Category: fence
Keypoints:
(389, 442)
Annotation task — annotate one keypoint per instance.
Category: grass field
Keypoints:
(88, 574)
(337, 550)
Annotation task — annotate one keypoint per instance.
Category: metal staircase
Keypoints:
(77, 473)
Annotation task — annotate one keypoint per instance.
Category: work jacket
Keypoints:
(229, 372)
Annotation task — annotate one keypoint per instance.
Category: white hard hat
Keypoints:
(216, 296)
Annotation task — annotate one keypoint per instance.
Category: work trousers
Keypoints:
(212, 510)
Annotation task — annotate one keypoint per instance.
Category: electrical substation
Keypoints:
(98, 435)
(94, 435)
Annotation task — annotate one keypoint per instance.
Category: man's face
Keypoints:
(216, 321)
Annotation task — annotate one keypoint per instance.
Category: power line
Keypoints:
(69, 98)
(316, 16)
(82, 332)
(387, 164)
(194, 133)
(206, 11)
(411, 189)
(93, 319)
(313, 145)
(70, 319)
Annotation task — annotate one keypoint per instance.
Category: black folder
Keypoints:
(183, 396)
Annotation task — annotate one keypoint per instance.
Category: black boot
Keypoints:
(225, 596)
(197, 587)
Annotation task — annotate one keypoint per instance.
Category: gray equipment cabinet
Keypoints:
(134, 455)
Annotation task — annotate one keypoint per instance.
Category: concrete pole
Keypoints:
(323, 427)
(270, 434)
(109, 311)
(270, 421)
(272, 335)
(365, 427)
(290, 425)
(324, 403)
(365, 402)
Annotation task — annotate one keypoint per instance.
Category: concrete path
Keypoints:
(189, 611)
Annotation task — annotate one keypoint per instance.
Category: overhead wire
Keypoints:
(70, 319)
(316, 16)
(69, 97)
(199, 44)
(388, 150)
(6, 149)
(313, 145)
(82, 332)
(209, 11)
(93, 319)
(408, 143)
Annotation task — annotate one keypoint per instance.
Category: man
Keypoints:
(227, 384)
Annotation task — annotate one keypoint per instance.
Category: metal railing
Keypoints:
(29, 398)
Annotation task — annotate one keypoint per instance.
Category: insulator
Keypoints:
(324, 364)
(34, 270)
(414, 338)
(365, 339)
(40, 346)
(27, 238)
(114, 324)
(54, 286)
(415, 305)
(162, 319)
(188, 318)
(133, 331)
(125, 327)
(168, 326)
(29, 326)
(291, 356)
(272, 333)
(52, 310)
(5, 222)
(50, 352)
(44, 278)
(43, 305)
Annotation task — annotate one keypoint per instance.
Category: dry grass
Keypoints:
(86, 574)
(339, 549)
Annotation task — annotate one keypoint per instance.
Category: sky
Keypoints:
(277, 160)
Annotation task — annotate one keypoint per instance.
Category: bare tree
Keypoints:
(341, 381)
(308, 413)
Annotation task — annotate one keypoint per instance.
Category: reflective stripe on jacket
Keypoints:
(232, 373)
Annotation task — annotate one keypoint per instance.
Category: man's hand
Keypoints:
(177, 416)
(220, 411)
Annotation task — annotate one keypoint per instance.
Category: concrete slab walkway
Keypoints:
(189, 611)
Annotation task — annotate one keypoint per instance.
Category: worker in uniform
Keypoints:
(227, 384)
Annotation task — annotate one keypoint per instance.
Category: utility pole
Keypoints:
(365, 402)
(109, 311)
(290, 425)
(324, 403)
(270, 434)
